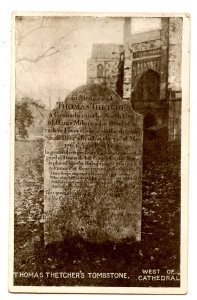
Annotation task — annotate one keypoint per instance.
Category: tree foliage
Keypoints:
(24, 117)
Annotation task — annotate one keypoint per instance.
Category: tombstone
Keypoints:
(93, 168)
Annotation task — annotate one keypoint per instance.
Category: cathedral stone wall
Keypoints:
(121, 67)
(174, 78)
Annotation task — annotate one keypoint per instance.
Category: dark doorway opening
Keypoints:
(150, 123)
(149, 120)
(148, 87)
(146, 101)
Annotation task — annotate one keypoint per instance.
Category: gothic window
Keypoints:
(100, 71)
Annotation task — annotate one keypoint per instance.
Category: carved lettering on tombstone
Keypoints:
(93, 168)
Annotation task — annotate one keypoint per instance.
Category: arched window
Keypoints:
(100, 70)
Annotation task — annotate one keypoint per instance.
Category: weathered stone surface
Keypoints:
(93, 168)
(175, 54)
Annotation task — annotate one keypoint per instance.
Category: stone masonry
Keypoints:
(158, 51)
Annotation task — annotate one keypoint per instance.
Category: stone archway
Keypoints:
(147, 87)
(145, 100)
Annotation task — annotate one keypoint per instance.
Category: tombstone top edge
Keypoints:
(94, 90)
(96, 93)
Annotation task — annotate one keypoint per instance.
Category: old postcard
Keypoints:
(99, 156)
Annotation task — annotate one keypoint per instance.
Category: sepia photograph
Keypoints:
(99, 153)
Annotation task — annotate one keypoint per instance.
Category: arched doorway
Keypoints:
(145, 100)
(147, 87)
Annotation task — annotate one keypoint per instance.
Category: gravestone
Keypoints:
(93, 168)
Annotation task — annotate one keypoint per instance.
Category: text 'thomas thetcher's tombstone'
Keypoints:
(93, 168)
